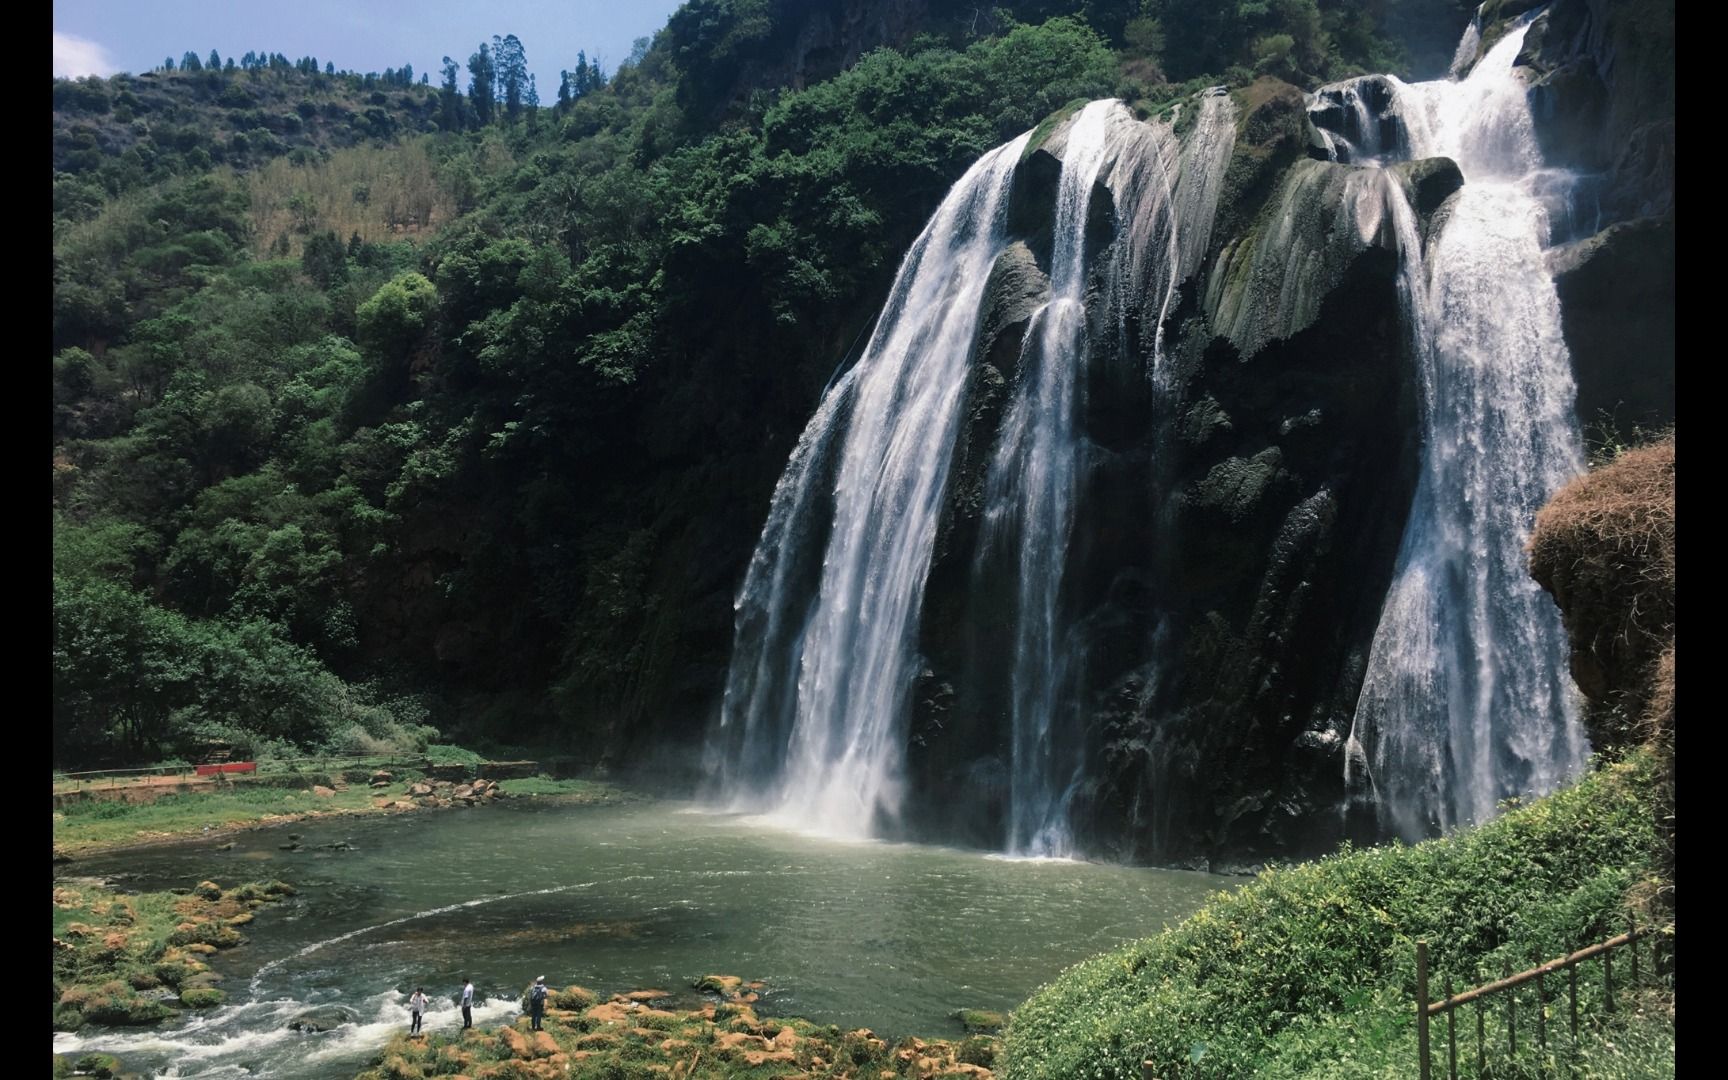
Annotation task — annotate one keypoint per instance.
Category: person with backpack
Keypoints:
(537, 1002)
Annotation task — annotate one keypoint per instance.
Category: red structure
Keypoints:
(226, 767)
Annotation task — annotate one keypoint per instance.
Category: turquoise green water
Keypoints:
(892, 937)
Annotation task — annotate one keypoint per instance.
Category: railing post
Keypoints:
(1632, 946)
(1572, 973)
(1511, 1012)
(1451, 1035)
(1146, 1070)
(1422, 1008)
(1541, 1014)
(1608, 979)
(1481, 1051)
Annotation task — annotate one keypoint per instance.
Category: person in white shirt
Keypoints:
(467, 1002)
(417, 1005)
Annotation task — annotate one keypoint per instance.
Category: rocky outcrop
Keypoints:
(1355, 120)
(1231, 547)
(322, 1018)
(1269, 283)
(1616, 294)
(1430, 182)
(1602, 88)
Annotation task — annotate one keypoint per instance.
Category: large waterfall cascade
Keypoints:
(812, 716)
(1466, 700)
(1030, 490)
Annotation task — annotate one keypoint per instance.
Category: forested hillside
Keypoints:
(390, 401)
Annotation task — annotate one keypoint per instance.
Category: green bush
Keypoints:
(202, 998)
(1315, 964)
(101, 1066)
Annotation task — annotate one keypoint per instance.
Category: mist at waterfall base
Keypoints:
(1465, 698)
(618, 898)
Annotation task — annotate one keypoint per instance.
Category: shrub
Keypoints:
(202, 998)
(1290, 966)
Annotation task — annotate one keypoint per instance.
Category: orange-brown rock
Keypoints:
(516, 1042)
(608, 1013)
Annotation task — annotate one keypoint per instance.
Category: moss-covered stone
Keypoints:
(101, 1066)
(202, 998)
(981, 1020)
(113, 952)
(1431, 182)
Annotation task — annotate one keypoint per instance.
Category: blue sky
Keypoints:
(105, 36)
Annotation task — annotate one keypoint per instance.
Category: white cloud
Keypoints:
(75, 56)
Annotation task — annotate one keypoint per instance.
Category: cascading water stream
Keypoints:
(813, 717)
(1030, 490)
(1466, 700)
(812, 723)
(1166, 197)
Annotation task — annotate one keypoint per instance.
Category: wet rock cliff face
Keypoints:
(1236, 531)
(1240, 511)
(1601, 75)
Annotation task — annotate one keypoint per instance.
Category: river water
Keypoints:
(889, 936)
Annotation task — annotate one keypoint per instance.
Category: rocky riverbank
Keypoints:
(635, 1035)
(137, 959)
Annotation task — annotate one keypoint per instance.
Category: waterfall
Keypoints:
(1466, 700)
(812, 726)
(1030, 491)
(1167, 198)
(1468, 46)
(812, 722)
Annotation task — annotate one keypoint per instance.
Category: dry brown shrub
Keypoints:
(1604, 548)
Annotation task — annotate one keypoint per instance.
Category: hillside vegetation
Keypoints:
(1310, 971)
(384, 403)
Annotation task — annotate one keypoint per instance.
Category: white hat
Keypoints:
(540, 979)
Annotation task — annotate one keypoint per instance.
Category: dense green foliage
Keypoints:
(1310, 971)
(499, 466)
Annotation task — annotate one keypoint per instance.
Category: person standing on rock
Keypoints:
(537, 1003)
(467, 1002)
(417, 1006)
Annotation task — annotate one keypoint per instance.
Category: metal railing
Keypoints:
(1507, 985)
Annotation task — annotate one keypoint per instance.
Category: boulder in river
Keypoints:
(322, 1018)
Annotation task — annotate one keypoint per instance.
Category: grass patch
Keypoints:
(579, 791)
(87, 826)
(444, 754)
(1047, 127)
(1310, 971)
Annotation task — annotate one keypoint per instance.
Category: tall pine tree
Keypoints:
(512, 65)
(480, 91)
(451, 103)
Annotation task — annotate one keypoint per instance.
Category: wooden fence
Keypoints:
(1427, 1009)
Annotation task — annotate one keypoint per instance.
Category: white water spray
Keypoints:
(1466, 700)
